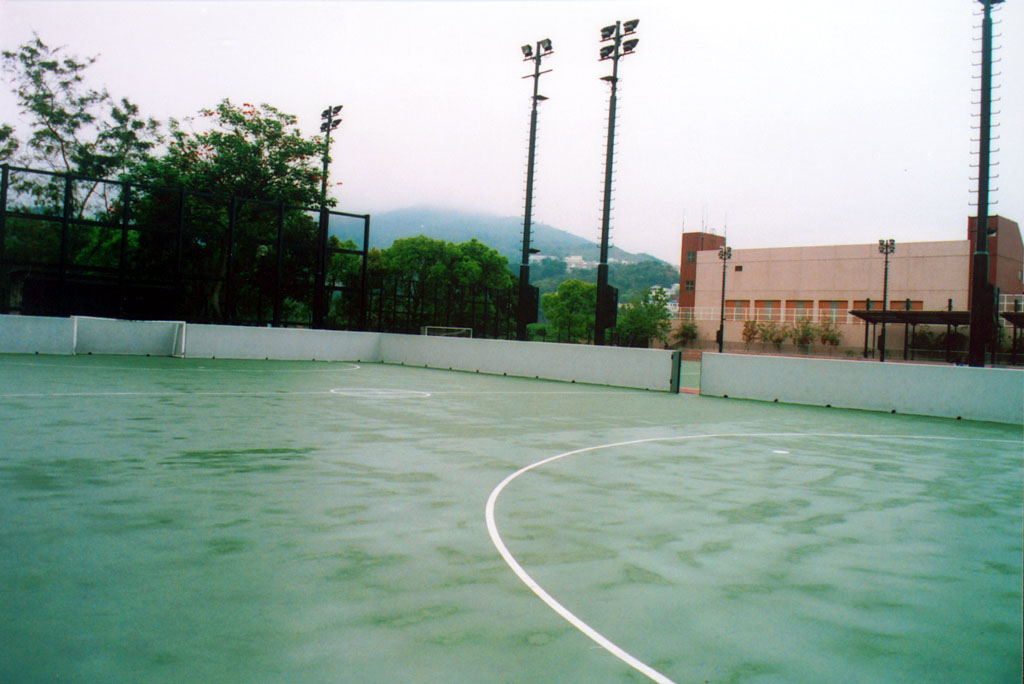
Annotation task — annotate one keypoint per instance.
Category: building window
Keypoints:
(691, 257)
(798, 310)
(738, 268)
(734, 309)
(832, 311)
(690, 286)
(767, 309)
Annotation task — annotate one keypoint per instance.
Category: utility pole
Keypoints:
(982, 296)
(527, 294)
(320, 275)
(605, 315)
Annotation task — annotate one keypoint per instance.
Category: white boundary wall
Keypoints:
(137, 338)
(620, 367)
(37, 335)
(994, 394)
(635, 368)
(293, 344)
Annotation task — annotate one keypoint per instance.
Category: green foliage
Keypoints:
(74, 128)
(571, 310)
(427, 262)
(644, 319)
(803, 333)
(632, 280)
(770, 332)
(685, 334)
(829, 336)
(751, 333)
(8, 142)
(244, 150)
(443, 283)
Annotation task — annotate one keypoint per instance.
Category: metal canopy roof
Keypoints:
(914, 317)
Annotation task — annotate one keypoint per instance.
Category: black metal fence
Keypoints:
(72, 245)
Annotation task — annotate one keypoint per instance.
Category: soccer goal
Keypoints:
(445, 331)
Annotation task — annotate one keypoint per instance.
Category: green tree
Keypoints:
(829, 336)
(644, 319)
(803, 333)
(73, 128)
(751, 333)
(243, 163)
(686, 333)
(443, 283)
(772, 333)
(571, 310)
(244, 150)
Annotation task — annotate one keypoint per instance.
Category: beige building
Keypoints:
(823, 284)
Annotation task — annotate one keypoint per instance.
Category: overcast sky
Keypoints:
(791, 122)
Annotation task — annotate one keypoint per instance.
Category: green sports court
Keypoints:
(199, 520)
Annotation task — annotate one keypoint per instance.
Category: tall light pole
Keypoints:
(604, 316)
(320, 276)
(885, 247)
(982, 305)
(527, 294)
(724, 253)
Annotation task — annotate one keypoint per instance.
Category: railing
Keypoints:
(817, 315)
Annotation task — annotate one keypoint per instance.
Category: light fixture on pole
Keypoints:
(885, 247)
(320, 276)
(528, 295)
(607, 304)
(724, 253)
(982, 306)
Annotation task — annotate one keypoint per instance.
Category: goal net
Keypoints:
(445, 331)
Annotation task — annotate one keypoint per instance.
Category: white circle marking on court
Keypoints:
(379, 393)
(569, 616)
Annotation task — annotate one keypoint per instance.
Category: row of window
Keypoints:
(804, 309)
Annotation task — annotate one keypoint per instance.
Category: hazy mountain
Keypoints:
(503, 233)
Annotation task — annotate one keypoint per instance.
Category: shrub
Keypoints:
(803, 334)
(751, 331)
(772, 333)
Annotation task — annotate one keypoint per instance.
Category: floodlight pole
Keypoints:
(886, 247)
(527, 297)
(604, 316)
(320, 275)
(982, 304)
(724, 253)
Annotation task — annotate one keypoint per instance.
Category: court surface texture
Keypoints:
(185, 520)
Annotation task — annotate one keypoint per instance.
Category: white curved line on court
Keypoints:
(572, 618)
(379, 393)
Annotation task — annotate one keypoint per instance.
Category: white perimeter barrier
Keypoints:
(636, 368)
(995, 394)
(137, 338)
(36, 335)
(293, 344)
(620, 367)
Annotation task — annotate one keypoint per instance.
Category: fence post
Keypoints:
(122, 266)
(5, 179)
(63, 265)
(362, 278)
(229, 274)
(280, 265)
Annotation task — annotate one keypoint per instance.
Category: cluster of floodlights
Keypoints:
(543, 48)
(330, 123)
(612, 33)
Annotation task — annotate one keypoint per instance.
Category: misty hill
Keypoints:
(503, 233)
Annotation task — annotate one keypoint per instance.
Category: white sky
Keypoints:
(794, 122)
